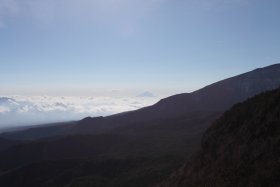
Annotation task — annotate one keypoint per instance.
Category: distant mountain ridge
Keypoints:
(216, 97)
(223, 94)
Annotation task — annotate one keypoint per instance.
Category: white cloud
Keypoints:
(146, 94)
(4, 109)
(18, 110)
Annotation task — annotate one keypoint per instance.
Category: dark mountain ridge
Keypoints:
(216, 97)
(213, 98)
(239, 149)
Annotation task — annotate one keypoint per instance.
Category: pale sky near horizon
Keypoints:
(85, 47)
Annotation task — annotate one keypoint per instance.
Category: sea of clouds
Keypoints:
(30, 110)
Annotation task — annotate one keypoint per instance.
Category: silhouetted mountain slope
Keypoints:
(135, 172)
(156, 149)
(239, 149)
(147, 140)
(223, 94)
(214, 98)
(39, 132)
(4, 143)
(68, 147)
(171, 128)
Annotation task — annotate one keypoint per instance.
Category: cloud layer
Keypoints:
(23, 110)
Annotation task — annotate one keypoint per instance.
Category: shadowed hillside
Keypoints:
(239, 149)
(213, 98)
(155, 150)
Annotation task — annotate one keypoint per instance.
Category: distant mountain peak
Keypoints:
(146, 94)
(6, 99)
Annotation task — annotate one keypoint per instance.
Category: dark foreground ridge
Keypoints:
(239, 149)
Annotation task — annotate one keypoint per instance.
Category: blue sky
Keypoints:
(70, 47)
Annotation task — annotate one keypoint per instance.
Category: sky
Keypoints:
(118, 50)
(94, 47)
